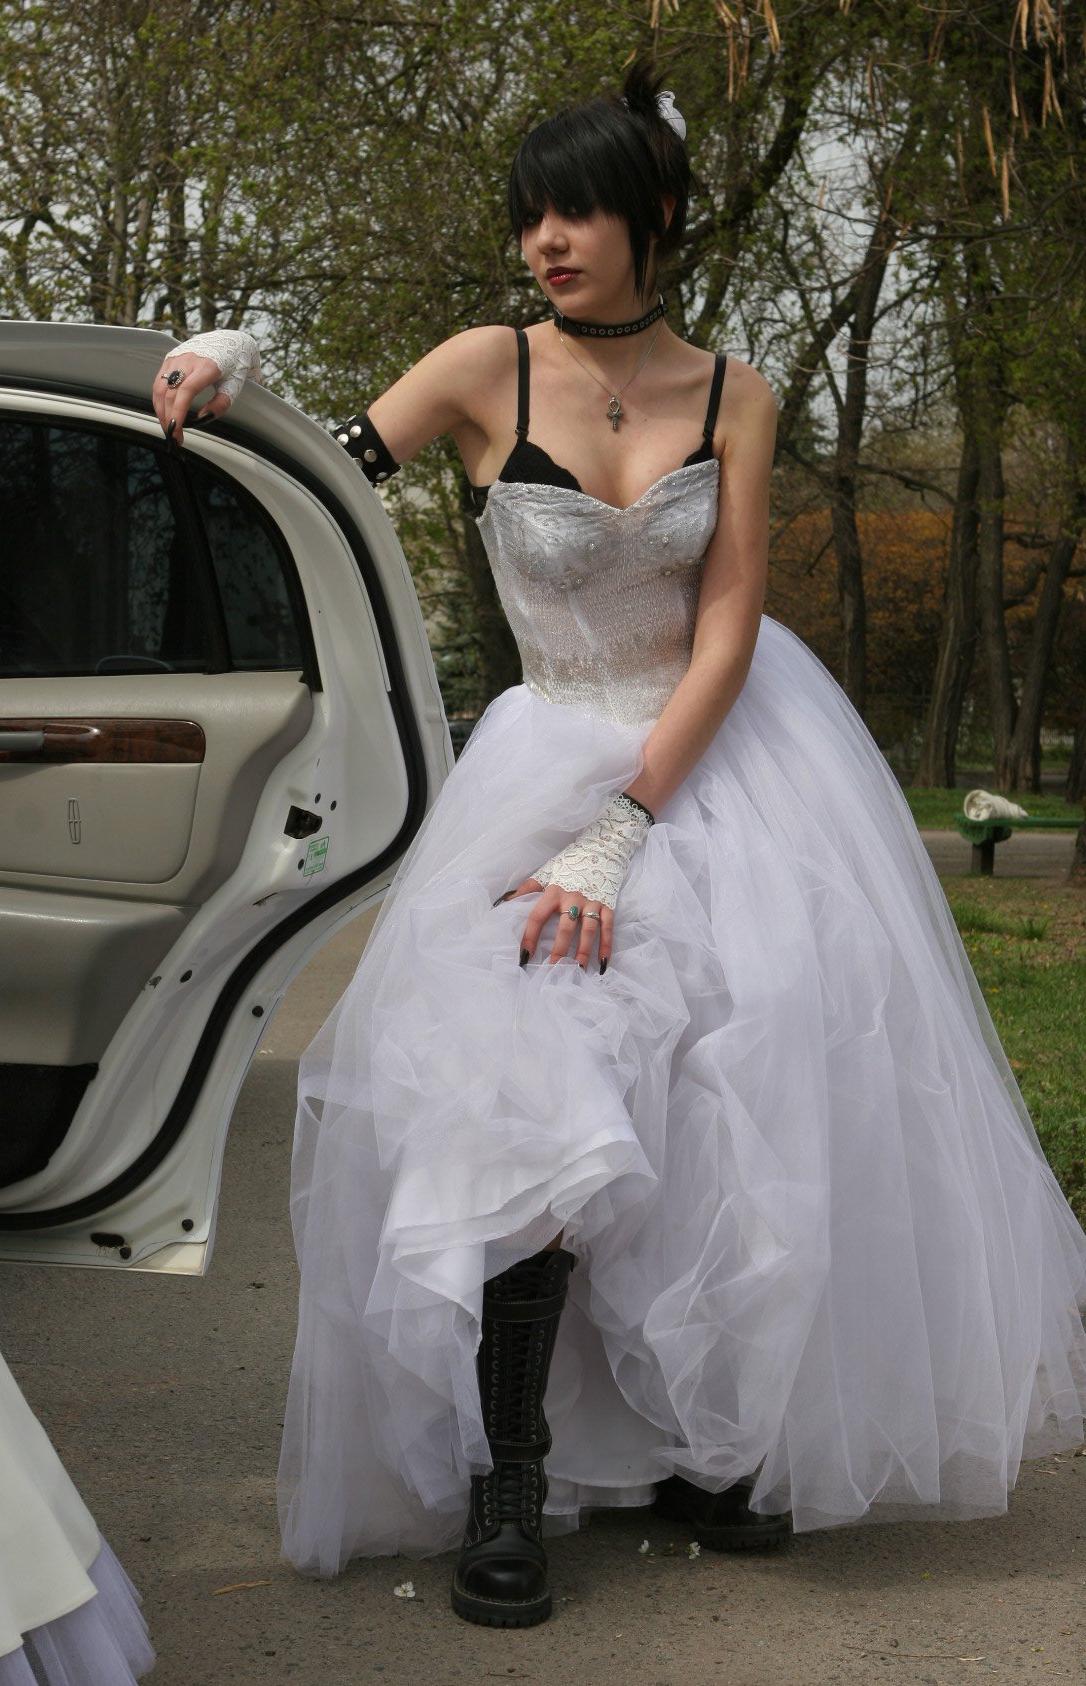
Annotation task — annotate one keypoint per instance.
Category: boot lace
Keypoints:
(515, 1360)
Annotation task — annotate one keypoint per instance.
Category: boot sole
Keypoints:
(499, 1612)
(734, 1536)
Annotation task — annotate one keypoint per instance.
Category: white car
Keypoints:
(220, 729)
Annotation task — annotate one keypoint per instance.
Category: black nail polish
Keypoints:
(525, 956)
(603, 967)
(582, 965)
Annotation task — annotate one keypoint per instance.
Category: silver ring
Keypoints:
(574, 911)
(591, 915)
(175, 377)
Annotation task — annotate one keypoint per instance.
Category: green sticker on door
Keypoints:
(315, 856)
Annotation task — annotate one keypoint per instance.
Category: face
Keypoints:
(584, 264)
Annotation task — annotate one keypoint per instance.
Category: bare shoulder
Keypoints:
(747, 423)
(746, 387)
(478, 370)
(472, 352)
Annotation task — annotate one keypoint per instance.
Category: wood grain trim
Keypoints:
(54, 738)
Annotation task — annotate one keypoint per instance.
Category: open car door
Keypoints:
(220, 729)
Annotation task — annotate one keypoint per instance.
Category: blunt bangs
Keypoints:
(596, 156)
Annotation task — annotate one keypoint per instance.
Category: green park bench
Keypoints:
(985, 834)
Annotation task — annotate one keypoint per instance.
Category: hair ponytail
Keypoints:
(640, 87)
(640, 98)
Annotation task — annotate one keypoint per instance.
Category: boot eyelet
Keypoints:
(512, 1365)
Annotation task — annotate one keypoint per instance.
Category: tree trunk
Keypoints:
(850, 425)
(1025, 748)
(958, 632)
(1024, 754)
(1077, 872)
(1075, 789)
(991, 416)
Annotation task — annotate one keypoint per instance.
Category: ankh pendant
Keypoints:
(614, 411)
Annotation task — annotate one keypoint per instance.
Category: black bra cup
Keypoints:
(529, 464)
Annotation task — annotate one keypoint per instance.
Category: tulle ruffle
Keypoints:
(817, 1237)
(103, 1642)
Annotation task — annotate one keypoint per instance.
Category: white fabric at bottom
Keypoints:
(103, 1642)
(69, 1615)
(817, 1237)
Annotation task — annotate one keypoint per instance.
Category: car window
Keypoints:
(247, 556)
(97, 577)
(119, 559)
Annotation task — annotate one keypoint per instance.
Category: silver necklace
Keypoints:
(615, 411)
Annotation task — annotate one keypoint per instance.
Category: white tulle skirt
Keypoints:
(103, 1642)
(69, 1614)
(817, 1237)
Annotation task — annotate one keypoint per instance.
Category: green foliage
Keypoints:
(1025, 943)
(334, 178)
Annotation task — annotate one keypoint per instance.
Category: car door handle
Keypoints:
(302, 823)
(31, 738)
(130, 739)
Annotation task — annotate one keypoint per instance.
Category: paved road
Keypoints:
(1025, 854)
(164, 1398)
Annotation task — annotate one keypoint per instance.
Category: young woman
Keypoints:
(665, 994)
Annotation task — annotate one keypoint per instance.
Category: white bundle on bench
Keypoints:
(982, 805)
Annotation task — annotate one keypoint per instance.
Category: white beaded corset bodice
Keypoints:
(602, 600)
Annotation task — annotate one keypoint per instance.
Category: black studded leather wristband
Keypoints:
(361, 439)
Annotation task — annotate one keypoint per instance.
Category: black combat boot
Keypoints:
(721, 1521)
(501, 1575)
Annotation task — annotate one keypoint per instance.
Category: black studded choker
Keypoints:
(607, 330)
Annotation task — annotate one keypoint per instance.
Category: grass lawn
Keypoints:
(934, 810)
(1026, 941)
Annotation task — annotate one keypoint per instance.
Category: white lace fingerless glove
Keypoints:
(597, 860)
(236, 352)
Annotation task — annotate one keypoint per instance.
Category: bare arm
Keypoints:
(726, 630)
(438, 393)
(434, 396)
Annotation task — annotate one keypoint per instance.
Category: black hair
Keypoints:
(615, 153)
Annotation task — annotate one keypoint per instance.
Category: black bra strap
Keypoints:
(523, 377)
(714, 397)
(522, 383)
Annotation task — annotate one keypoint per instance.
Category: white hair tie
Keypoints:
(669, 111)
(665, 105)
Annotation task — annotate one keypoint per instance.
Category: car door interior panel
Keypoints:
(220, 728)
